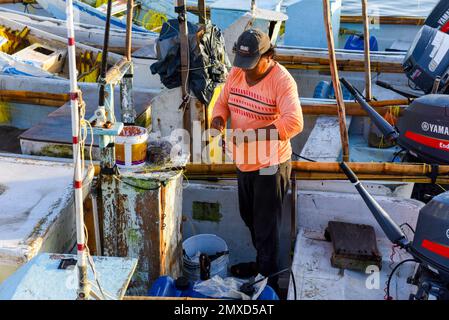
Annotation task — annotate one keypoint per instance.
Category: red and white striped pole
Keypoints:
(83, 289)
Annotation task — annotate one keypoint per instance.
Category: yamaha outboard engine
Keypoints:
(423, 128)
(430, 246)
(431, 241)
(439, 17)
(428, 60)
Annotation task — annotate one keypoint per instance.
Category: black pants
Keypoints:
(261, 194)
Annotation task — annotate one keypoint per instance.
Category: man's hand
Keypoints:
(218, 124)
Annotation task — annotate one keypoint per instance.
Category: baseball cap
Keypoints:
(250, 46)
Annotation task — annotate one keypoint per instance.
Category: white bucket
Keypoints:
(131, 147)
(209, 244)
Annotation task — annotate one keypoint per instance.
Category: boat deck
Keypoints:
(36, 210)
(315, 278)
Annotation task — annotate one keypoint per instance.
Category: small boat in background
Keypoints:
(88, 34)
(28, 45)
(84, 13)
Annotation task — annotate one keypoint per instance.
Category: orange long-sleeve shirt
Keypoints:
(272, 101)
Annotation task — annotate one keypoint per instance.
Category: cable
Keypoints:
(397, 153)
(408, 225)
(388, 297)
(297, 155)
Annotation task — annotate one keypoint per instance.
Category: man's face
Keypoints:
(259, 69)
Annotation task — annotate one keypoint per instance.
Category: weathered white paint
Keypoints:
(36, 210)
(324, 143)
(40, 279)
(142, 219)
(314, 275)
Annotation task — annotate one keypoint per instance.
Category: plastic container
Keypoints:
(209, 244)
(322, 90)
(131, 147)
(325, 90)
(356, 42)
(165, 286)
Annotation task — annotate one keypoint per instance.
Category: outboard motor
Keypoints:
(427, 60)
(439, 17)
(423, 129)
(430, 246)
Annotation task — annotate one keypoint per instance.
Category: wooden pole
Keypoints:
(202, 11)
(184, 51)
(366, 24)
(129, 26)
(336, 81)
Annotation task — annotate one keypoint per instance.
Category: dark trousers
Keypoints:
(261, 194)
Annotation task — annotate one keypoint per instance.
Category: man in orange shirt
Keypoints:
(261, 99)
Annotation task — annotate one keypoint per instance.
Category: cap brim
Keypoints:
(246, 62)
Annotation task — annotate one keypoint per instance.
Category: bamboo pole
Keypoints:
(336, 81)
(368, 91)
(33, 94)
(395, 20)
(342, 176)
(35, 101)
(38, 98)
(352, 109)
(372, 168)
(320, 64)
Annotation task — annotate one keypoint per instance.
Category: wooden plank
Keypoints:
(336, 81)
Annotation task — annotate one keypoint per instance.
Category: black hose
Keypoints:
(393, 271)
(301, 157)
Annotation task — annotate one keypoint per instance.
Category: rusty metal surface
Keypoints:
(355, 246)
(141, 219)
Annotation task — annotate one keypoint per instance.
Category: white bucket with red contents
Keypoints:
(131, 147)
